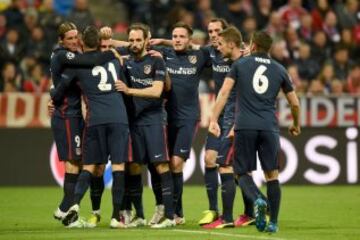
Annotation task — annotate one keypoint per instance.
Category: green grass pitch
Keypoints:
(326, 212)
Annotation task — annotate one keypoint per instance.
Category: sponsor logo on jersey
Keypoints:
(142, 81)
(221, 68)
(182, 71)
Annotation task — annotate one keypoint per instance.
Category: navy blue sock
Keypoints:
(117, 190)
(156, 184)
(82, 185)
(135, 191)
(248, 205)
(126, 203)
(178, 190)
(96, 190)
(228, 191)
(274, 196)
(211, 183)
(248, 186)
(168, 194)
(69, 189)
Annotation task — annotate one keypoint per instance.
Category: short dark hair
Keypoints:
(232, 34)
(183, 25)
(140, 26)
(224, 23)
(91, 37)
(64, 28)
(262, 40)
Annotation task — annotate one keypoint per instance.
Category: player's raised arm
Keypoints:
(160, 41)
(293, 100)
(71, 59)
(106, 33)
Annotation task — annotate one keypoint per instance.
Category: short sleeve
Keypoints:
(286, 84)
(233, 74)
(206, 54)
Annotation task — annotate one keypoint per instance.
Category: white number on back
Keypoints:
(260, 81)
(103, 85)
(77, 140)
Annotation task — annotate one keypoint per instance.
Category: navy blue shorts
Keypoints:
(248, 142)
(67, 134)
(149, 144)
(181, 135)
(104, 142)
(223, 145)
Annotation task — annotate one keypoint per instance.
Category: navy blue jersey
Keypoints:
(184, 69)
(61, 58)
(104, 103)
(220, 68)
(258, 80)
(141, 73)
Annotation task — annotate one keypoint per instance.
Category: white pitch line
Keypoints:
(245, 236)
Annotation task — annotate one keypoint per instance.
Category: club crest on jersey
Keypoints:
(147, 69)
(192, 59)
(70, 55)
(78, 151)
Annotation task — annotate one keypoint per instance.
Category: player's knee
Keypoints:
(118, 167)
(134, 169)
(162, 167)
(210, 158)
(99, 170)
(226, 169)
(90, 168)
(177, 164)
(271, 175)
(72, 167)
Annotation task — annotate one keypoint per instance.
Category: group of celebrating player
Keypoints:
(142, 107)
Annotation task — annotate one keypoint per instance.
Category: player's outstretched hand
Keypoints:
(214, 129)
(51, 108)
(106, 32)
(121, 87)
(155, 53)
(294, 130)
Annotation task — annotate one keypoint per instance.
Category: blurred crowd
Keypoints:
(28, 34)
(317, 41)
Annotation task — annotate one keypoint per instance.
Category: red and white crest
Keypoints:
(192, 59)
(147, 69)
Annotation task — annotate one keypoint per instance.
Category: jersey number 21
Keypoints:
(104, 85)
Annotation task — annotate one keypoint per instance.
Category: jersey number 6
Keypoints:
(260, 81)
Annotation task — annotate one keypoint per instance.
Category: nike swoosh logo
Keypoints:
(167, 58)
(157, 156)
(128, 67)
(183, 150)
